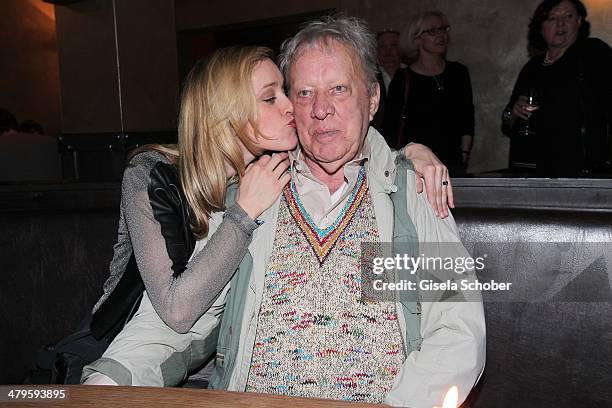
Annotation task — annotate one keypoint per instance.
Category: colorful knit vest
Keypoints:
(316, 337)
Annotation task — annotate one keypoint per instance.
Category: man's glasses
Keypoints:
(436, 30)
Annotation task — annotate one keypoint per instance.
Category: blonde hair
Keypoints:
(413, 29)
(217, 105)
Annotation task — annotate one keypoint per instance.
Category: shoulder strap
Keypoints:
(231, 325)
(230, 196)
(404, 231)
(406, 241)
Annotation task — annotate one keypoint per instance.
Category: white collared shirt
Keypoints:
(322, 206)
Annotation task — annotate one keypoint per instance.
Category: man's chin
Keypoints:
(332, 168)
(328, 165)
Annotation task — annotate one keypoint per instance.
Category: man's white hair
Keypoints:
(349, 31)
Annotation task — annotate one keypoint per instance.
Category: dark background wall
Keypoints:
(55, 248)
(88, 67)
(118, 65)
(29, 68)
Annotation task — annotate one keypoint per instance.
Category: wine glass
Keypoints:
(532, 105)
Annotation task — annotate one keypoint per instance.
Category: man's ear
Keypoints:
(374, 100)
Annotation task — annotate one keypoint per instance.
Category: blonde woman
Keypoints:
(171, 231)
(233, 109)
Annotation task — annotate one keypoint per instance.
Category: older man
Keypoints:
(295, 322)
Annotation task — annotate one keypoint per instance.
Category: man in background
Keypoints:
(389, 59)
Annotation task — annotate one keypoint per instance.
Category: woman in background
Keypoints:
(571, 78)
(432, 102)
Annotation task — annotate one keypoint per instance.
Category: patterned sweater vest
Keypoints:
(316, 336)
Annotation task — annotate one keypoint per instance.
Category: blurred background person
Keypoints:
(431, 103)
(389, 59)
(389, 55)
(560, 109)
(31, 126)
(8, 122)
(26, 156)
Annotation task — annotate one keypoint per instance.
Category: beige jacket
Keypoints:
(453, 347)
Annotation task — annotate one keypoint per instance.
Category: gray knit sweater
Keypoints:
(180, 300)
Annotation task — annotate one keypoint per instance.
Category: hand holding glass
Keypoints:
(528, 104)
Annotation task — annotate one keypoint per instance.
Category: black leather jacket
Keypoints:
(170, 209)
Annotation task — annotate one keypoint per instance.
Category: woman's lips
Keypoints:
(291, 123)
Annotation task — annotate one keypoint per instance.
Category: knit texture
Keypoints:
(316, 336)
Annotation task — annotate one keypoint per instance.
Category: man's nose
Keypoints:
(322, 106)
(288, 108)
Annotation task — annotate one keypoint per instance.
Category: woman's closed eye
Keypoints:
(270, 100)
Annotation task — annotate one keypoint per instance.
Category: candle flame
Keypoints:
(451, 398)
